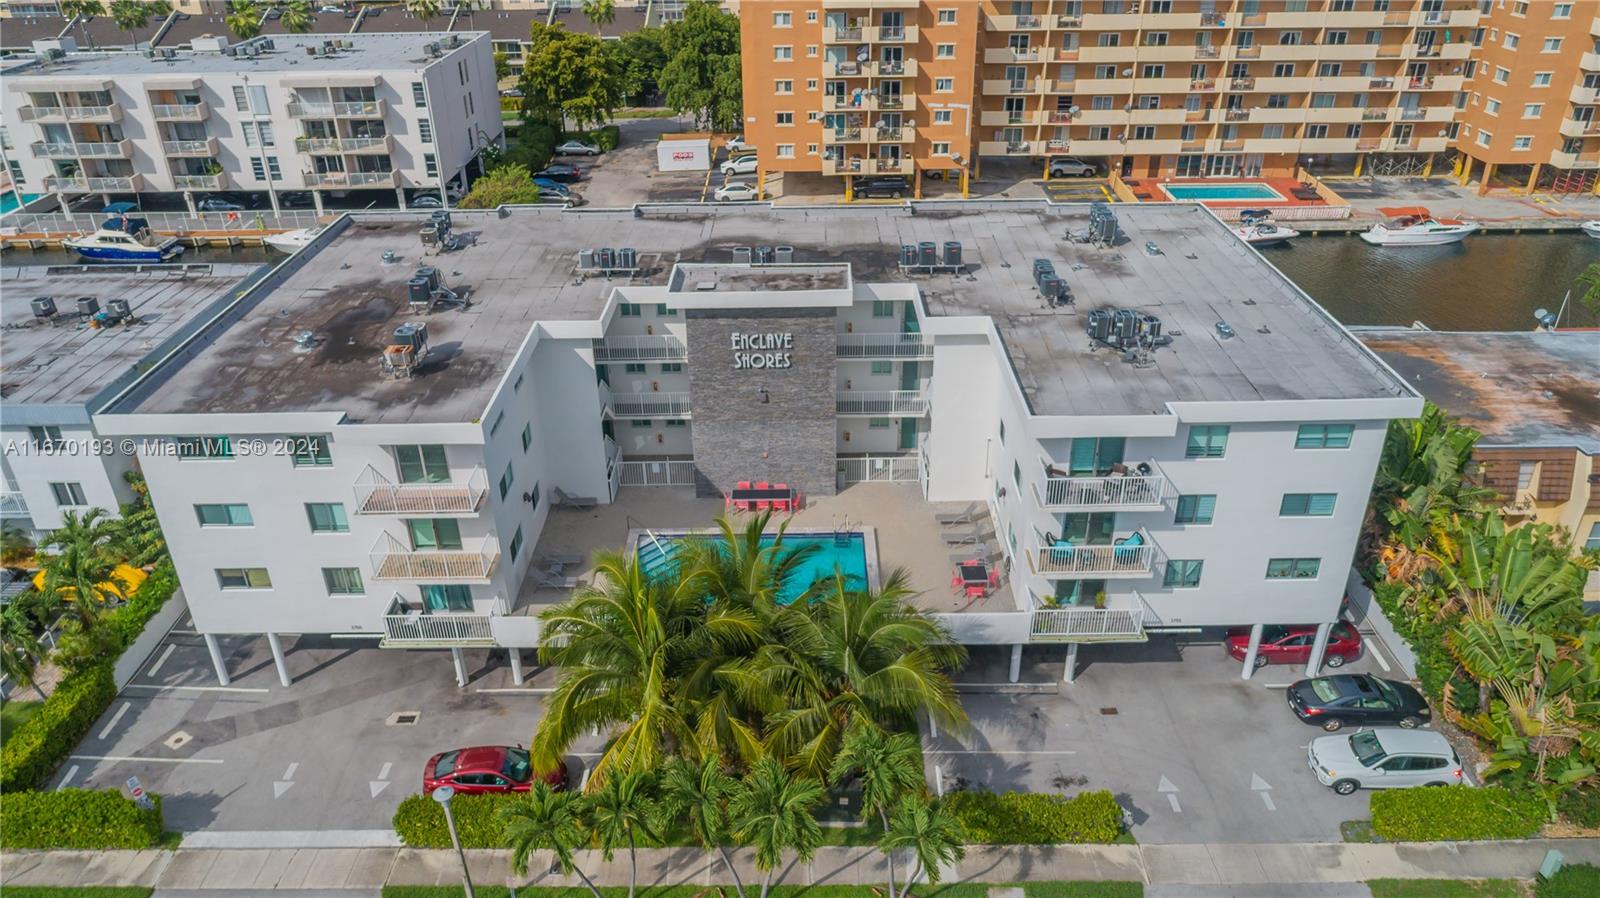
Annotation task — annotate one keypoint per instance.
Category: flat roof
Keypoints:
(713, 278)
(69, 363)
(371, 52)
(1522, 388)
(211, 20)
(522, 269)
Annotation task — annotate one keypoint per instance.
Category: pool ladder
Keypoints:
(841, 534)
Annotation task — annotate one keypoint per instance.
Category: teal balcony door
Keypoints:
(444, 597)
(430, 534)
(1089, 528)
(910, 375)
(422, 464)
(1093, 457)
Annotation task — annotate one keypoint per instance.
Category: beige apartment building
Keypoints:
(1165, 88)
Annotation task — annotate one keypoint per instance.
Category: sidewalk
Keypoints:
(371, 868)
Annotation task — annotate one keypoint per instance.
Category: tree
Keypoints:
(243, 19)
(702, 75)
(600, 12)
(132, 15)
(931, 835)
(424, 10)
(81, 573)
(16, 546)
(20, 648)
(620, 811)
(774, 811)
(566, 75)
(546, 820)
(1589, 282)
(698, 795)
(502, 65)
(886, 767)
(82, 11)
(137, 536)
(509, 184)
(295, 16)
(638, 58)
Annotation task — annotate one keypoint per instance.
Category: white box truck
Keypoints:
(684, 155)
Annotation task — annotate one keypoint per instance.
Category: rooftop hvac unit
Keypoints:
(44, 307)
(1050, 287)
(233, 51)
(585, 259)
(1151, 327)
(1099, 325)
(952, 253)
(429, 274)
(430, 234)
(764, 255)
(88, 306)
(741, 255)
(1041, 268)
(118, 309)
(418, 293)
(783, 254)
(441, 218)
(606, 257)
(627, 258)
(908, 254)
(311, 49)
(1125, 325)
(413, 334)
(927, 253)
(169, 53)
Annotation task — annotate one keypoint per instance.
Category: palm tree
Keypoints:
(929, 832)
(82, 11)
(620, 811)
(887, 767)
(423, 9)
(132, 15)
(295, 16)
(600, 12)
(1589, 283)
(546, 820)
(20, 648)
(137, 536)
(16, 546)
(616, 643)
(82, 570)
(243, 19)
(699, 795)
(773, 811)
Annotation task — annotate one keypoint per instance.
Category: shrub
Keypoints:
(533, 145)
(605, 138)
(1581, 807)
(39, 746)
(78, 819)
(1456, 813)
(1026, 818)
(1574, 881)
(419, 821)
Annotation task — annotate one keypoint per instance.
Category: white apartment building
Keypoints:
(403, 113)
(1214, 473)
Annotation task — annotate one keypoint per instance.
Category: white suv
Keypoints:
(744, 165)
(1384, 758)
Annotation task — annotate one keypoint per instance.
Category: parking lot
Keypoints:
(1192, 752)
(628, 175)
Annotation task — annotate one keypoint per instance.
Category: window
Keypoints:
(1502, 75)
(422, 464)
(811, 15)
(942, 116)
(882, 308)
(223, 515)
(784, 86)
(941, 148)
(944, 85)
(1561, 11)
(307, 451)
(419, 95)
(1323, 436)
(327, 517)
(1551, 45)
(243, 578)
(1512, 40)
(241, 102)
(1002, 432)
(1541, 79)
(516, 544)
(1491, 106)
(506, 480)
(446, 598)
(434, 533)
(783, 53)
(785, 151)
(1307, 505)
(1522, 142)
(1533, 110)
(425, 131)
(1182, 574)
(634, 368)
(1207, 441)
(527, 436)
(1293, 568)
(342, 581)
(945, 51)
(258, 168)
(1593, 541)
(882, 368)
(1525, 472)
(1484, 138)
(533, 498)
(878, 423)
(430, 164)
(45, 438)
(1016, 475)
(947, 17)
(671, 367)
(782, 20)
(630, 310)
(204, 447)
(1195, 509)
(675, 422)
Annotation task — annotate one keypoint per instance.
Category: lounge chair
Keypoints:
(959, 537)
(1127, 550)
(554, 580)
(562, 500)
(966, 516)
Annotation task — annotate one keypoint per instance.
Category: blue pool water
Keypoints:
(848, 555)
(1221, 192)
(8, 201)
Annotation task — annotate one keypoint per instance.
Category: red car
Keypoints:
(486, 768)
(1292, 644)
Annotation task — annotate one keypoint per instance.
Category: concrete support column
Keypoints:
(1427, 167)
(272, 198)
(1483, 182)
(849, 188)
(1466, 168)
(1250, 653)
(188, 200)
(215, 651)
(1361, 162)
(916, 183)
(316, 201)
(1069, 673)
(965, 184)
(65, 207)
(105, 200)
(277, 658)
(400, 197)
(1318, 648)
(461, 667)
(761, 183)
(516, 666)
(1533, 176)
(1016, 662)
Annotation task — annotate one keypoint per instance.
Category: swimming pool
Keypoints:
(847, 553)
(9, 203)
(1245, 191)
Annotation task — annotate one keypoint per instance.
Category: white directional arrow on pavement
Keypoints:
(1168, 789)
(279, 787)
(381, 783)
(1263, 789)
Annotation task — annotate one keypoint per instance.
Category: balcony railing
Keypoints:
(1087, 624)
(418, 628)
(842, 35)
(121, 149)
(1104, 561)
(340, 144)
(394, 560)
(181, 112)
(71, 113)
(884, 346)
(207, 147)
(351, 179)
(640, 349)
(346, 109)
(12, 504)
(200, 182)
(44, 149)
(113, 185)
(648, 405)
(882, 403)
(377, 494)
(1129, 491)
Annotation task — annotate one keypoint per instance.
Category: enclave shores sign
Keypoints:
(762, 350)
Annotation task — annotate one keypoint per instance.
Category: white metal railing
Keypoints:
(349, 178)
(394, 560)
(69, 113)
(119, 185)
(180, 112)
(656, 473)
(12, 504)
(1075, 624)
(187, 147)
(613, 469)
(377, 494)
(879, 468)
(884, 346)
(648, 405)
(339, 144)
(878, 403)
(447, 628)
(1102, 492)
(1096, 561)
(639, 349)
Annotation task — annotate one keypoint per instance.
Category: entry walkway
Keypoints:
(1203, 864)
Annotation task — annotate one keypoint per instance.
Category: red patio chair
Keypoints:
(977, 592)
(781, 504)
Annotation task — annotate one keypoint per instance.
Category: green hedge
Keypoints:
(1028, 818)
(78, 819)
(1456, 813)
(606, 138)
(420, 821)
(1574, 881)
(1581, 807)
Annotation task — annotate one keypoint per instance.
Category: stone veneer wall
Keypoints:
(792, 438)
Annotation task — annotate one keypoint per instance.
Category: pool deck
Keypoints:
(908, 536)
(1154, 190)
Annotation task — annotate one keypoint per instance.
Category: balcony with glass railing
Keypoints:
(344, 144)
(204, 147)
(181, 112)
(45, 149)
(377, 494)
(474, 562)
(216, 181)
(12, 504)
(352, 179)
(1132, 556)
(45, 114)
(884, 346)
(85, 184)
(882, 403)
(342, 109)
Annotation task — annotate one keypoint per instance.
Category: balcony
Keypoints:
(45, 114)
(841, 135)
(181, 112)
(12, 504)
(1589, 62)
(217, 181)
(377, 494)
(1015, 23)
(1571, 127)
(890, 34)
(1126, 492)
(121, 149)
(1574, 160)
(82, 184)
(882, 134)
(1005, 55)
(1002, 87)
(474, 562)
(44, 149)
(850, 68)
(883, 403)
(845, 35)
(403, 628)
(884, 346)
(352, 179)
(646, 405)
(355, 109)
(379, 145)
(640, 349)
(1087, 625)
(867, 103)
(857, 165)
(202, 148)
(1585, 96)
(1096, 562)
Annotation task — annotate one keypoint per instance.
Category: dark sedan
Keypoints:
(1357, 700)
(486, 768)
(562, 172)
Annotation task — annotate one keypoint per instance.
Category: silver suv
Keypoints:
(1068, 167)
(1384, 758)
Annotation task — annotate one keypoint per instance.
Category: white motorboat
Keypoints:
(1416, 226)
(1258, 229)
(290, 241)
(1592, 228)
(124, 239)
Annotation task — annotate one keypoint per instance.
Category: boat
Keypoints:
(289, 241)
(124, 240)
(1257, 228)
(1592, 228)
(1416, 226)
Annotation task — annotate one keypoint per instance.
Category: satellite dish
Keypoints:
(1074, 110)
(1127, 73)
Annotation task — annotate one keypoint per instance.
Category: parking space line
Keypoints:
(1276, 685)
(518, 690)
(978, 751)
(938, 780)
(115, 719)
(67, 777)
(165, 654)
(139, 758)
(1376, 655)
(198, 688)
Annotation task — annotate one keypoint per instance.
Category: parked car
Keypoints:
(218, 204)
(742, 165)
(329, 7)
(577, 148)
(736, 143)
(1384, 758)
(893, 186)
(548, 187)
(426, 201)
(1292, 644)
(512, 92)
(1357, 700)
(1068, 167)
(735, 192)
(485, 768)
(560, 171)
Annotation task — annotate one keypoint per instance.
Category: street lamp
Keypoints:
(442, 795)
